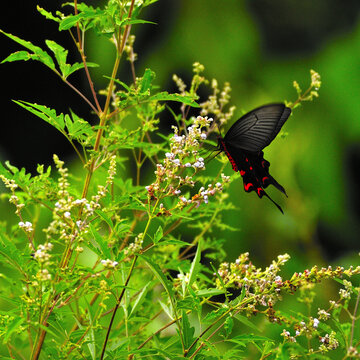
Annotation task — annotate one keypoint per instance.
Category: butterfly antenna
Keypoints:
(207, 158)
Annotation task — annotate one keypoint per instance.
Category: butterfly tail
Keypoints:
(272, 181)
(277, 205)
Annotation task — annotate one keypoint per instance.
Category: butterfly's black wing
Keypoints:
(258, 128)
(254, 170)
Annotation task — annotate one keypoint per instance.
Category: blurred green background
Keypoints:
(260, 47)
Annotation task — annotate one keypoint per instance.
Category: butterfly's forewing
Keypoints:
(258, 128)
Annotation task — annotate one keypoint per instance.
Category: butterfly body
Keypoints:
(244, 142)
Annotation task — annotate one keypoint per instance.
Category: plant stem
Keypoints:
(354, 319)
(117, 306)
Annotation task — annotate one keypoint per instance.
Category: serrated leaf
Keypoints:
(77, 66)
(105, 218)
(135, 21)
(47, 14)
(158, 235)
(195, 265)
(38, 53)
(246, 338)
(45, 113)
(187, 330)
(18, 56)
(245, 321)
(209, 292)
(146, 81)
(228, 325)
(103, 245)
(165, 96)
(72, 20)
(11, 328)
(160, 275)
(139, 299)
(60, 56)
(175, 242)
(10, 252)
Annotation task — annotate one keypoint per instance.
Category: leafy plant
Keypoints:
(98, 266)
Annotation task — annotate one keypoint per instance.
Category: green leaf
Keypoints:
(14, 326)
(187, 330)
(17, 56)
(245, 321)
(195, 265)
(10, 252)
(247, 338)
(38, 53)
(158, 235)
(135, 21)
(90, 14)
(139, 299)
(160, 275)
(146, 81)
(165, 96)
(209, 292)
(105, 218)
(77, 66)
(174, 242)
(45, 113)
(47, 14)
(228, 325)
(103, 245)
(60, 56)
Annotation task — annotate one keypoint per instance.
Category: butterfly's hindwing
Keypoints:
(254, 170)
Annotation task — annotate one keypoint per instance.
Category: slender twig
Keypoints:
(117, 306)
(354, 319)
(83, 57)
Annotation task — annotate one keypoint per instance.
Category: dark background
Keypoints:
(260, 47)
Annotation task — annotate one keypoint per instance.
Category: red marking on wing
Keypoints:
(264, 178)
(250, 167)
(247, 186)
(232, 161)
(246, 159)
(259, 190)
(242, 172)
(263, 163)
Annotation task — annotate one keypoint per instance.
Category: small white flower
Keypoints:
(177, 192)
(316, 322)
(187, 164)
(203, 136)
(67, 214)
(176, 162)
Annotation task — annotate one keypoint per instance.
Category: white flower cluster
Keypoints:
(43, 275)
(26, 226)
(109, 264)
(215, 104)
(42, 253)
(67, 208)
(136, 246)
(183, 154)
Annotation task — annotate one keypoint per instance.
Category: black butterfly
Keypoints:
(243, 145)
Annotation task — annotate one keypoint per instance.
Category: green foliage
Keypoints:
(101, 266)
